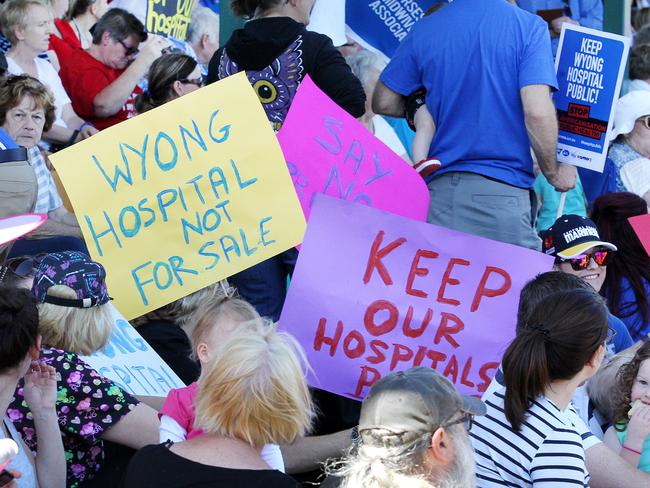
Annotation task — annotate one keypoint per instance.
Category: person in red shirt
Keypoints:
(102, 81)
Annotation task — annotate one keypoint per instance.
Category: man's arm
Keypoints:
(608, 470)
(58, 134)
(111, 99)
(541, 124)
(307, 453)
(387, 102)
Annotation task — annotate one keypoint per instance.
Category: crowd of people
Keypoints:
(466, 100)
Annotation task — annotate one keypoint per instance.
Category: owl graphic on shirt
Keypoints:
(276, 84)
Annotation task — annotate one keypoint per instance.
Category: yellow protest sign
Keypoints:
(169, 18)
(183, 196)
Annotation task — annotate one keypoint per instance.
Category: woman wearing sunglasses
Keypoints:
(627, 284)
(575, 243)
(170, 76)
(631, 147)
(531, 435)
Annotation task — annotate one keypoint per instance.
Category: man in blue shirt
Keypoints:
(487, 69)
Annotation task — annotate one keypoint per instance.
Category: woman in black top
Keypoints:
(253, 394)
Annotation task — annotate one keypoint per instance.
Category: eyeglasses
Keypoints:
(601, 258)
(467, 419)
(196, 81)
(20, 267)
(129, 50)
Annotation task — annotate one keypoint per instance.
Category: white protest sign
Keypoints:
(131, 363)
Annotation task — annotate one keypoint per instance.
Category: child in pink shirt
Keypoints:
(210, 326)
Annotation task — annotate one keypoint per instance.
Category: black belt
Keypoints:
(9, 155)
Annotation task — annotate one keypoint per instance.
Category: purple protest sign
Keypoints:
(374, 292)
(329, 151)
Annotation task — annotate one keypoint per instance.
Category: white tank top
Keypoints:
(21, 462)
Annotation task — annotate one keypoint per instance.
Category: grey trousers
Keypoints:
(472, 203)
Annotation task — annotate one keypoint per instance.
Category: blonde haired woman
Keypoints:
(253, 394)
(75, 319)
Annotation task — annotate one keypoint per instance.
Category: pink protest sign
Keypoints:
(329, 151)
(641, 225)
(374, 292)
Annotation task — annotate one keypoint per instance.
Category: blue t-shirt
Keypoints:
(575, 204)
(623, 340)
(629, 311)
(473, 57)
(404, 133)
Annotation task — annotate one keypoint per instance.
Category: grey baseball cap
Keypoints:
(416, 401)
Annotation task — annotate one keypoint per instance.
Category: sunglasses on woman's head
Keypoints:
(578, 263)
(21, 267)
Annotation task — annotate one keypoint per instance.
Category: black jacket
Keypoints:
(280, 47)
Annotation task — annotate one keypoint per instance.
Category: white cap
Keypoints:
(629, 108)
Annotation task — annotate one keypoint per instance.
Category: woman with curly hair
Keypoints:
(630, 434)
(627, 284)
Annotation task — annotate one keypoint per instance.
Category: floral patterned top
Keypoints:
(87, 405)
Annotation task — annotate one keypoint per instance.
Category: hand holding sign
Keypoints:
(564, 179)
(388, 293)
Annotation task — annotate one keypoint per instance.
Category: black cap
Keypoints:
(572, 235)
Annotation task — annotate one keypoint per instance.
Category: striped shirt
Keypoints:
(593, 426)
(47, 196)
(548, 451)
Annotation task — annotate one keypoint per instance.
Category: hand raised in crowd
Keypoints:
(638, 428)
(564, 178)
(152, 49)
(40, 388)
(556, 24)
